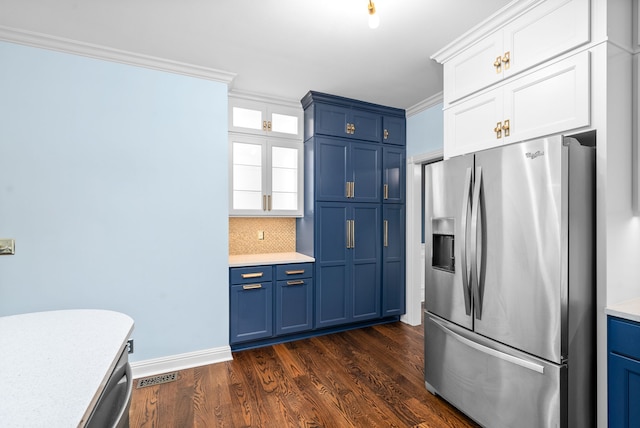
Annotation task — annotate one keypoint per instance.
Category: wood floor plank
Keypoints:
(370, 377)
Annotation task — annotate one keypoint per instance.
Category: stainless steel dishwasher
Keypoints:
(112, 408)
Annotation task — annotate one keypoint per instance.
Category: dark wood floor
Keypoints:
(370, 377)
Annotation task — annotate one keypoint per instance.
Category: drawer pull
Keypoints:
(251, 286)
(294, 272)
(298, 282)
(252, 275)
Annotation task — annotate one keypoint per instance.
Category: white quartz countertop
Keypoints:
(54, 365)
(629, 309)
(268, 259)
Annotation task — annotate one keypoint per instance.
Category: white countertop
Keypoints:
(268, 259)
(629, 309)
(54, 365)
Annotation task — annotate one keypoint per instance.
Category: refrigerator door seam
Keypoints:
(503, 356)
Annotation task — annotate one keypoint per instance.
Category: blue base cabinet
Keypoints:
(269, 302)
(623, 372)
(354, 177)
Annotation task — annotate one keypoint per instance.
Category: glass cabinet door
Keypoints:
(284, 178)
(247, 179)
(254, 117)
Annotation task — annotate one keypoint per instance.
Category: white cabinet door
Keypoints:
(551, 28)
(548, 30)
(266, 176)
(255, 117)
(469, 125)
(551, 100)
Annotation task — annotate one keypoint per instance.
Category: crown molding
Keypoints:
(506, 14)
(61, 44)
(270, 99)
(425, 104)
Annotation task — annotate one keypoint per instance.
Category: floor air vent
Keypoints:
(157, 380)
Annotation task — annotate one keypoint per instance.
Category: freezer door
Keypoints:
(519, 225)
(493, 384)
(447, 217)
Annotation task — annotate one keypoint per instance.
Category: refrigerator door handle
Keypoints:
(464, 265)
(490, 351)
(476, 281)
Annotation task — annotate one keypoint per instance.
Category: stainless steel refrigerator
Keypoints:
(510, 284)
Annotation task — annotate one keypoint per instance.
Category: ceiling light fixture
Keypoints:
(374, 18)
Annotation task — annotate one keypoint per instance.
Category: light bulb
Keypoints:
(374, 19)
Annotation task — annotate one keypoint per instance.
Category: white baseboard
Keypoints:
(177, 362)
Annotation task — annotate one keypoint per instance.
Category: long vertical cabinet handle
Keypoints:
(264, 202)
(353, 233)
(348, 189)
(464, 265)
(475, 251)
(386, 233)
(348, 234)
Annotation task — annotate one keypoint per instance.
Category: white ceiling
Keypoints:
(280, 48)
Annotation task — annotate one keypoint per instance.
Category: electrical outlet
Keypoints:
(130, 346)
(261, 235)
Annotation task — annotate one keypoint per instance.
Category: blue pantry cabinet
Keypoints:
(623, 372)
(354, 177)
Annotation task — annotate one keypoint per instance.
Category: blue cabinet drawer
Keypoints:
(254, 274)
(294, 271)
(624, 337)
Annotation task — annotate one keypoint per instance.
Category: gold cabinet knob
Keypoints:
(386, 134)
(506, 60)
(506, 127)
(498, 64)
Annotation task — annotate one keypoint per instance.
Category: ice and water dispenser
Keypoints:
(443, 244)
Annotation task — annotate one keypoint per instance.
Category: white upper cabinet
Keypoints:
(550, 100)
(262, 118)
(266, 177)
(541, 33)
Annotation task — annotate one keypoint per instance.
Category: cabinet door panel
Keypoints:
(366, 162)
(331, 120)
(331, 295)
(552, 28)
(394, 130)
(469, 125)
(473, 69)
(393, 174)
(251, 312)
(368, 126)
(294, 305)
(365, 254)
(331, 169)
(393, 260)
(551, 100)
(624, 391)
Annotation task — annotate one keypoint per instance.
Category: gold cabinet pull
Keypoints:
(353, 189)
(251, 286)
(252, 275)
(385, 192)
(506, 127)
(498, 64)
(348, 234)
(268, 202)
(498, 130)
(294, 272)
(264, 125)
(353, 128)
(353, 233)
(386, 134)
(386, 233)
(298, 282)
(264, 202)
(506, 60)
(347, 190)
(269, 126)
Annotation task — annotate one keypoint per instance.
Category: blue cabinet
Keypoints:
(294, 298)
(393, 259)
(623, 372)
(349, 178)
(394, 130)
(269, 302)
(251, 303)
(350, 171)
(393, 174)
(348, 269)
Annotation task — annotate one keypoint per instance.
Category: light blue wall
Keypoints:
(113, 183)
(425, 131)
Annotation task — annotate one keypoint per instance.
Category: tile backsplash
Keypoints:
(279, 235)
